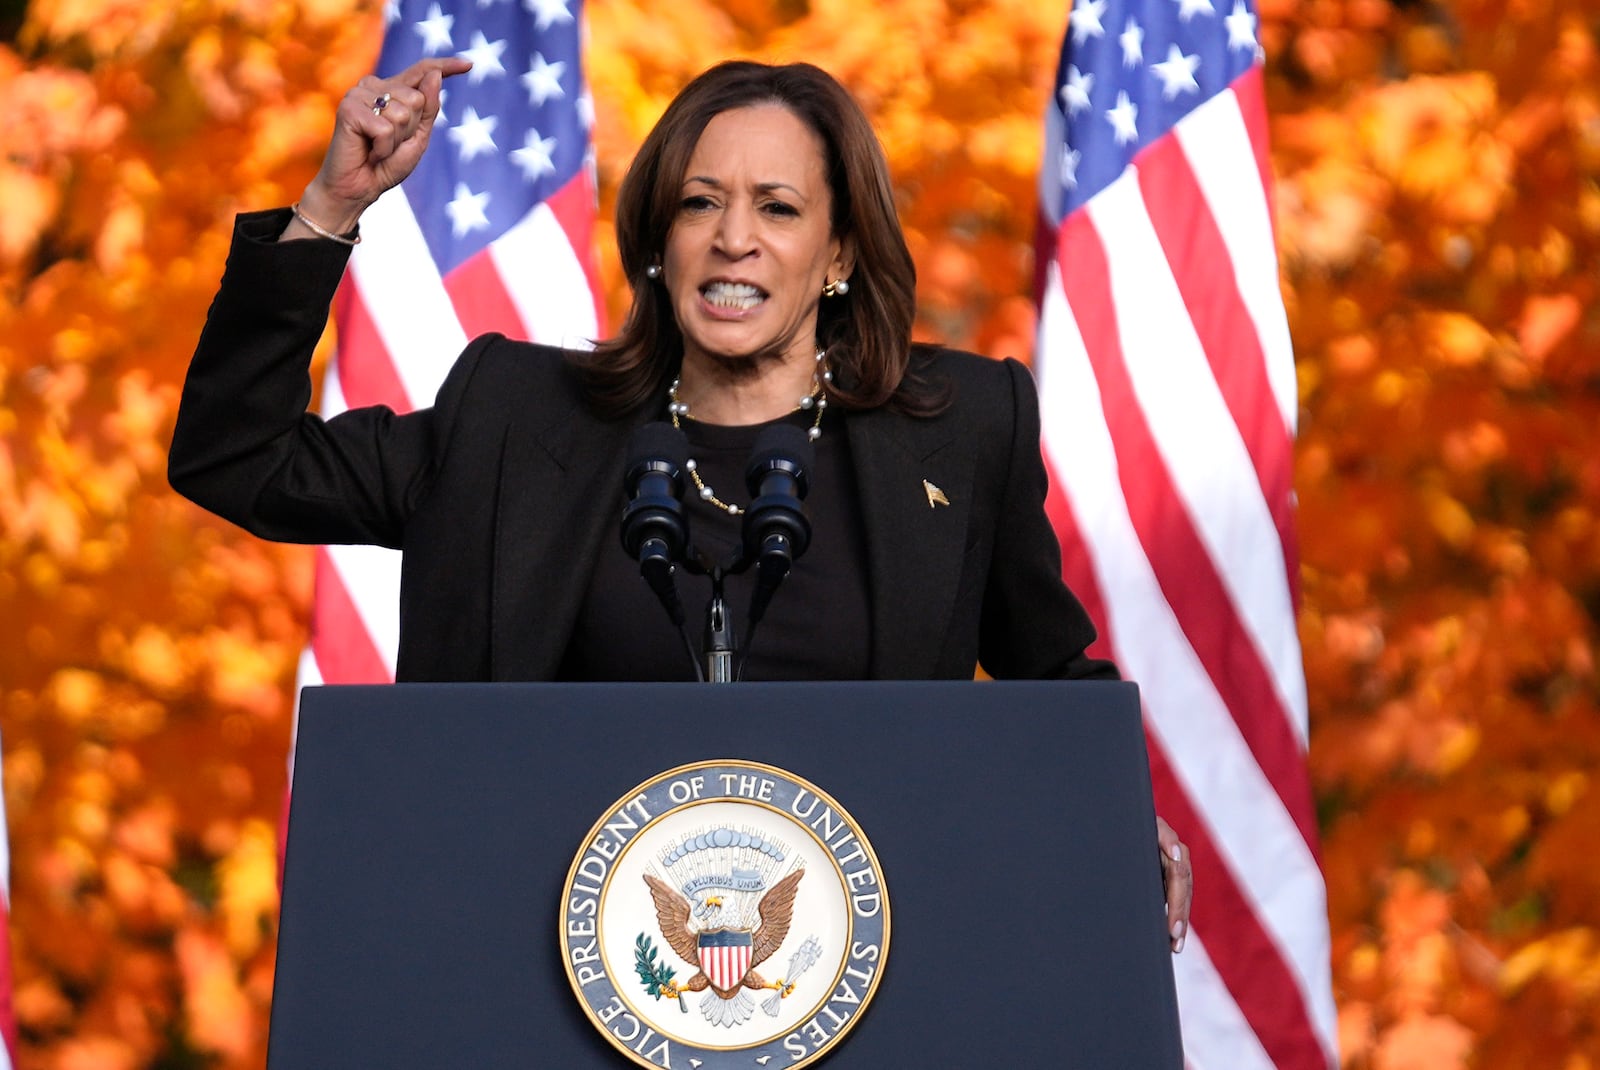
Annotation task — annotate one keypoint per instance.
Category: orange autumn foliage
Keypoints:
(1439, 222)
(1438, 202)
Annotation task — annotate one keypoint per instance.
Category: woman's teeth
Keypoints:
(737, 295)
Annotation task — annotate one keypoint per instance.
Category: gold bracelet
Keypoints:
(353, 238)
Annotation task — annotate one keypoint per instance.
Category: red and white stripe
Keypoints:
(400, 326)
(725, 964)
(1168, 397)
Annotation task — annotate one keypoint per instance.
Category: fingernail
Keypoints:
(1176, 851)
(1178, 930)
(1177, 948)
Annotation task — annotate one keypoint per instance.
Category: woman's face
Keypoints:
(752, 243)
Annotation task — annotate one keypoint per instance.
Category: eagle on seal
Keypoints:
(774, 912)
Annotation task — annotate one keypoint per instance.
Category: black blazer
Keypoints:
(502, 493)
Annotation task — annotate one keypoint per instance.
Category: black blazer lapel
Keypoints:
(560, 499)
(915, 544)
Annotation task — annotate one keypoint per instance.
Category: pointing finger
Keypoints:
(445, 66)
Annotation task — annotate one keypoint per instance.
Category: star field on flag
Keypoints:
(515, 126)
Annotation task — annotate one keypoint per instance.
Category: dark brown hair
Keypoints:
(867, 332)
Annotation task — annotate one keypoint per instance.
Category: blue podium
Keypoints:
(432, 827)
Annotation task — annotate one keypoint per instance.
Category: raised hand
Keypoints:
(380, 132)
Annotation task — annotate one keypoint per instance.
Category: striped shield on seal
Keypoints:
(725, 957)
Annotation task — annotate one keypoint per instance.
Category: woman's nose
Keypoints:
(736, 234)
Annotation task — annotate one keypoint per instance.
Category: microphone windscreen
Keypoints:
(781, 442)
(658, 441)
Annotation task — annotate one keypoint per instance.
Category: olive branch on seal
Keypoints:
(655, 975)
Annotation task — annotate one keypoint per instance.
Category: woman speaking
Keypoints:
(771, 285)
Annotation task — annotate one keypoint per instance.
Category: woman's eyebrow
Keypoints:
(763, 187)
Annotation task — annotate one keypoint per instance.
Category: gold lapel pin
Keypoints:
(935, 495)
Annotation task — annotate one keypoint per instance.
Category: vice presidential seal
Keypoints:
(725, 914)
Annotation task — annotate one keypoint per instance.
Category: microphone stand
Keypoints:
(719, 643)
(719, 646)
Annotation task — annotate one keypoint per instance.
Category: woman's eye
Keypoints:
(780, 208)
(696, 204)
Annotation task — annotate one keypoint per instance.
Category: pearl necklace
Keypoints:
(815, 400)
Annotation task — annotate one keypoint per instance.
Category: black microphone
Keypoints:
(655, 528)
(776, 531)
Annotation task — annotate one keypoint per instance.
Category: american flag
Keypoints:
(1167, 387)
(491, 232)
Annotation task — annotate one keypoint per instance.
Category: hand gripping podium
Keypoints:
(433, 825)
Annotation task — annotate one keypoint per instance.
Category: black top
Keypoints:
(817, 625)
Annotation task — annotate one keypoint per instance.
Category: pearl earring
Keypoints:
(653, 271)
(837, 288)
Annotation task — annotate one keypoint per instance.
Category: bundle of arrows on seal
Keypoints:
(799, 963)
